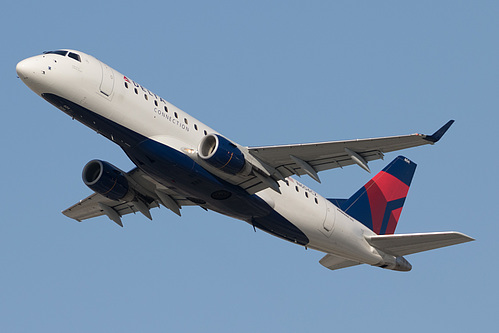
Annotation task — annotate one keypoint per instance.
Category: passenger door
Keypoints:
(107, 83)
(328, 224)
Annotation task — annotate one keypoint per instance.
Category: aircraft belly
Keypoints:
(179, 172)
(114, 132)
(175, 169)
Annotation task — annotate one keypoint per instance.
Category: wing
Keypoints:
(149, 194)
(312, 158)
(404, 244)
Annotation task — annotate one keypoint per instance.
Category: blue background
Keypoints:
(261, 73)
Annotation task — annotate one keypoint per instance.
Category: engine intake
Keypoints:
(222, 154)
(106, 179)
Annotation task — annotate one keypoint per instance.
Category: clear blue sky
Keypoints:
(261, 73)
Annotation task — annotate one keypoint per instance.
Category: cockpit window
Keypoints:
(59, 52)
(74, 56)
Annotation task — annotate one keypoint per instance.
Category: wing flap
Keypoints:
(405, 244)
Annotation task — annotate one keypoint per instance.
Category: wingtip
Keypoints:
(465, 237)
(435, 137)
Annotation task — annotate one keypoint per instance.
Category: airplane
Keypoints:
(182, 162)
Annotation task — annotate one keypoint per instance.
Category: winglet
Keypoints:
(439, 133)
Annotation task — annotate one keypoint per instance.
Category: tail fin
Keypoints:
(379, 203)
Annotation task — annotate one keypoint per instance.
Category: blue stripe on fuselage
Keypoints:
(182, 174)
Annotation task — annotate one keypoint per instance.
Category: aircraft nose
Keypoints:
(26, 68)
(30, 71)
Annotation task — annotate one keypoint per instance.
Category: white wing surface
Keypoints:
(273, 163)
(311, 158)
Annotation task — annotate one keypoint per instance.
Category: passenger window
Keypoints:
(156, 103)
(185, 121)
(195, 127)
(296, 188)
(316, 201)
(136, 91)
(74, 56)
(306, 194)
(145, 96)
(126, 85)
(205, 133)
(176, 115)
(166, 109)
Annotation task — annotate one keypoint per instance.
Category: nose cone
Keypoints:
(31, 73)
(26, 68)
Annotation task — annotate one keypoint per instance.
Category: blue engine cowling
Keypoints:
(106, 179)
(221, 154)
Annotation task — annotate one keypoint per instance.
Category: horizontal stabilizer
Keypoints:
(333, 262)
(404, 244)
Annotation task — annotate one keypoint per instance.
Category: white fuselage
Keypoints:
(121, 101)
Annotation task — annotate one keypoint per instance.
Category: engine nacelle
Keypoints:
(222, 154)
(106, 179)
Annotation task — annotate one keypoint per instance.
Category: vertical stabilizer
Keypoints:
(378, 204)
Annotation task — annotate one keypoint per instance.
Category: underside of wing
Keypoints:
(149, 194)
(91, 207)
(405, 244)
(311, 158)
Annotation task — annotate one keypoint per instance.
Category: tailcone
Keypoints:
(397, 264)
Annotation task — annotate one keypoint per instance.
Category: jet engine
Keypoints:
(222, 154)
(106, 179)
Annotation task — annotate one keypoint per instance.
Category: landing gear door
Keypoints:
(107, 83)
